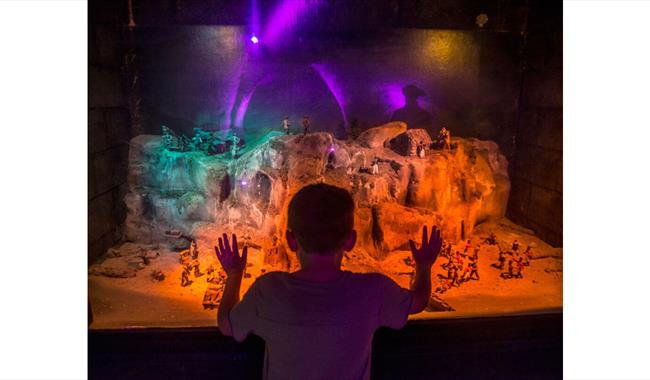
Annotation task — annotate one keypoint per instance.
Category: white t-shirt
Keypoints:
(319, 330)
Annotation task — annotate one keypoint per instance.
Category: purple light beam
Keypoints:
(283, 19)
(330, 80)
(243, 107)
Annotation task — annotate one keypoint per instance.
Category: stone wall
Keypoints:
(109, 128)
(536, 195)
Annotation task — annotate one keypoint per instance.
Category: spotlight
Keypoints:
(331, 149)
(244, 183)
(254, 39)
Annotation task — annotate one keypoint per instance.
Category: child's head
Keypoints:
(321, 220)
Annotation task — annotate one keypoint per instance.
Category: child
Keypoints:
(318, 322)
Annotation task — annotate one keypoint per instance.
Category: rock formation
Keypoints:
(203, 195)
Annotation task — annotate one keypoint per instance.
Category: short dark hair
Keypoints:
(321, 218)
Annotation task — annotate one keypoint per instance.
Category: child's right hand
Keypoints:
(229, 258)
(430, 248)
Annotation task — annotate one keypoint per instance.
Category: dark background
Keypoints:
(507, 347)
(190, 64)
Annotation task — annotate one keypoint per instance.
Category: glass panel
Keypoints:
(418, 125)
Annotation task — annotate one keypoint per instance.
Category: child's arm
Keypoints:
(234, 266)
(424, 259)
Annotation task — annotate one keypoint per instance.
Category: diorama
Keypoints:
(421, 125)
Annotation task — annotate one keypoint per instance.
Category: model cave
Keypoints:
(226, 122)
(180, 197)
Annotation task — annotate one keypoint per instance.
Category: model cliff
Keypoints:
(398, 178)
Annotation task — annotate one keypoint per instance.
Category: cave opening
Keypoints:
(262, 190)
(377, 232)
(225, 187)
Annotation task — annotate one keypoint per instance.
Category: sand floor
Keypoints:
(141, 301)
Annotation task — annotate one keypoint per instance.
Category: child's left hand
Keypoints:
(229, 258)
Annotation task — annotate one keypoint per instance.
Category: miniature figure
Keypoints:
(458, 258)
(184, 143)
(515, 245)
(184, 257)
(473, 266)
(491, 239)
(528, 255)
(445, 136)
(455, 279)
(515, 269)
(185, 276)
(451, 268)
(467, 246)
(518, 268)
(444, 286)
(451, 271)
(235, 146)
(197, 271)
(443, 251)
(194, 250)
(286, 124)
(170, 140)
(212, 297)
(196, 142)
(443, 141)
(420, 149)
(306, 124)
(157, 275)
(446, 250)
(502, 258)
(375, 166)
(449, 263)
(213, 277)
(142, 253)
(463, 272)
(508, 274)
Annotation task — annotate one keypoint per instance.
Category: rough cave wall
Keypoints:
(109, 127)
(536, 195)
(183, 191)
